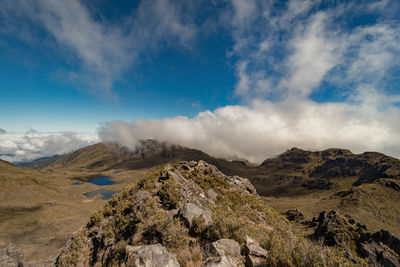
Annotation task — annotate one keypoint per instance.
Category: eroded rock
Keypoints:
(191, 211)
(150, 256)
(10, 256)
(254, 253)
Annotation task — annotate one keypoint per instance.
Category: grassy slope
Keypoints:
(40, 210)
(124, 221)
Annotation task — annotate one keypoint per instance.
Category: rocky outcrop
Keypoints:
(150, 256)
(191, 211)
(294, 215)
(194, 214)
(380, 248)
(221, 253)
(10, 256)
(254, 253)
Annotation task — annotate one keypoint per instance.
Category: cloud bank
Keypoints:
(285, 58)
(17, 147)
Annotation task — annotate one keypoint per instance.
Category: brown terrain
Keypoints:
(41, 208)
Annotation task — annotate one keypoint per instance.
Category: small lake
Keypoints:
(105, 194)
(77, 183)
(103, 180)
(117, 172)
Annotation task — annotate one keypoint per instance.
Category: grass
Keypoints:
(136, 216)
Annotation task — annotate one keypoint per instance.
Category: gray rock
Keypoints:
(377, 256)
(10, 256)
(192, 163)
(228, 247)
(222, 261)
(255, 254)
(212, 194)
(243, 183)
(223, 252)
(191, 211)
(150, 256)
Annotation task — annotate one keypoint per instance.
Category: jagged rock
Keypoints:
(223, 261)
(10, 256)
(242, 183)
(212, 194)
(376, 255)
(221, 253)
(386, 238)
(191, 211)
(150, 256)
(192, 163)
(335, 230)
(380, 248)
(390, 184)
(294, 215)
(254, 253)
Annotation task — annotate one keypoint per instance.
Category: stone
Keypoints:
(243, 183)
(223, 261)
(212, 194)
(191, 211)
(221, 253)
(294, 215)
(12, 257)
(254, 253)
(150, 256)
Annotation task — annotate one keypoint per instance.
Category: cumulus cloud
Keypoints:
(265, 129)
(283, 57)
(16, 147)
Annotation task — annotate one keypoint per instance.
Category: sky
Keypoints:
(239, 79)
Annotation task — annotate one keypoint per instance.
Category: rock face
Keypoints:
(190, 211)
(222, 253)
(380, 248)
(255, 254)
(150, 256)
(294, 215)
(10, 256)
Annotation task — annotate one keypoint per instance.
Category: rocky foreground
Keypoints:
(191, 214)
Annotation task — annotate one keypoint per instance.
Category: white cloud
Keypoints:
(286, 55)
(15, 147)
(265, 129)
(104, 50)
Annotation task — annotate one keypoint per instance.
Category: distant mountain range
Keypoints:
(300, 184)
(289, 173)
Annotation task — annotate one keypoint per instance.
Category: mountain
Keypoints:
(191, 214)
(289, 173)
(39, 163)
(41, 208)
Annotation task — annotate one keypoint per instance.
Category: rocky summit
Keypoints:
(191, 214)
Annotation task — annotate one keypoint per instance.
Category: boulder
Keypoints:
(190, 211)
(294, 215)
(255, 254)
(221, 253)
(11, 256)
(150, 256)
(243, 183)
(377, 256)
(222, 261)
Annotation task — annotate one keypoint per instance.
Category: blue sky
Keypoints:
(235, 78)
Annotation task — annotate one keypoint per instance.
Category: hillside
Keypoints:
(40, 209)
(289, 173)
(191, 214)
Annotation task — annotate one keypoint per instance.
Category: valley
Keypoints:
(41, 208)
